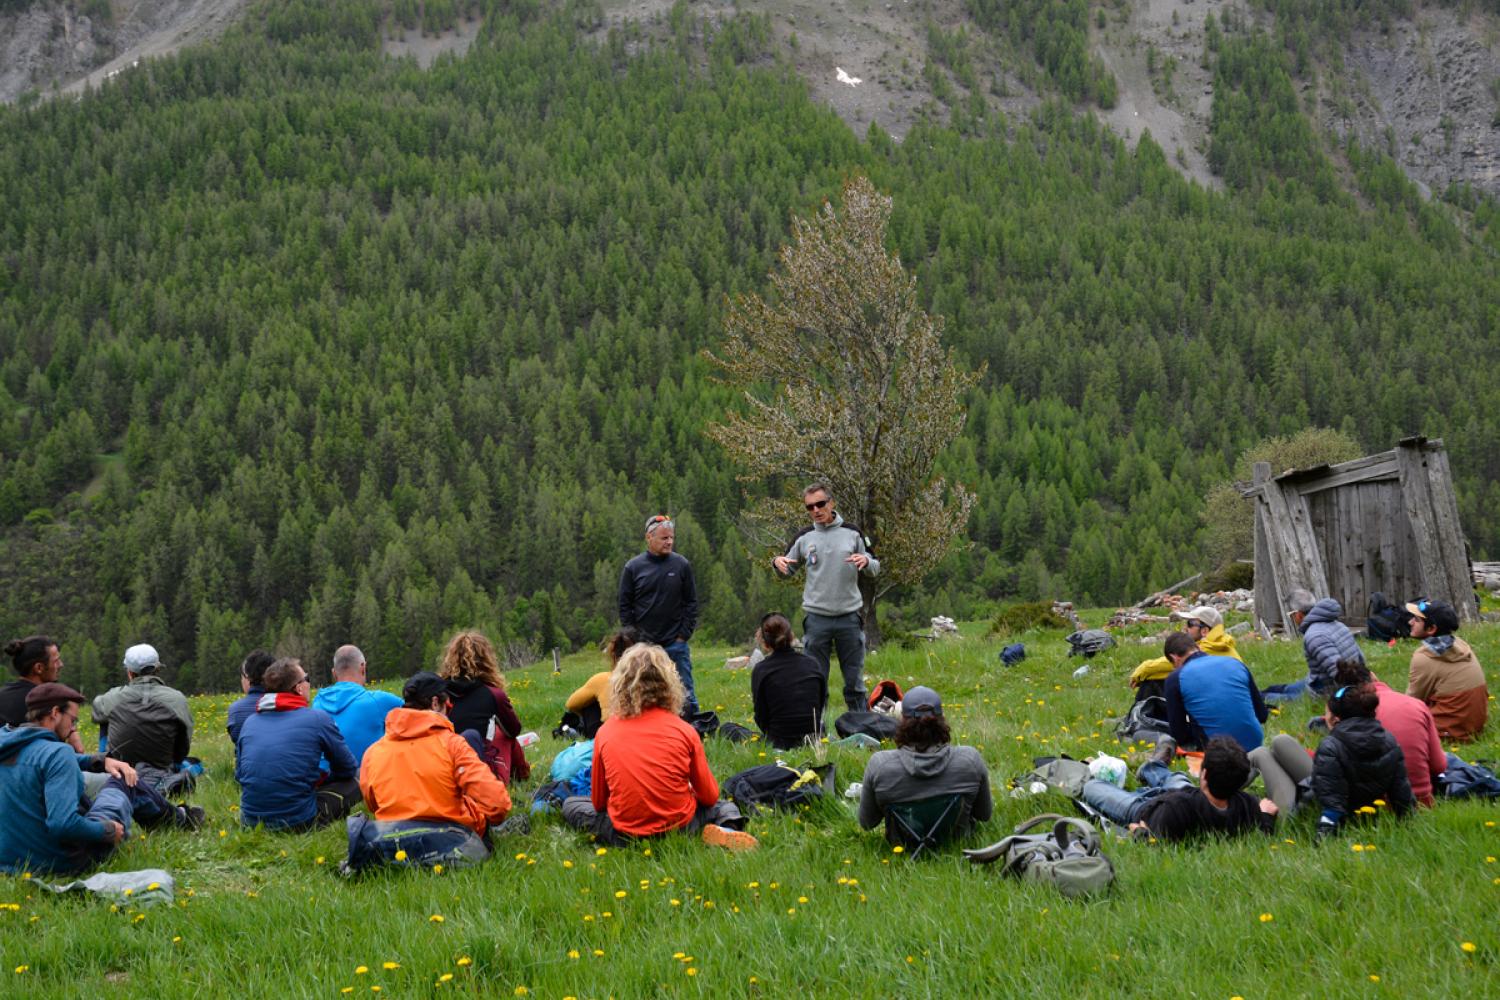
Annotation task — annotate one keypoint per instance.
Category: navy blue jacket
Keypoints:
(1326, 641)
(277, 762)
(240, 710)
(658, 596)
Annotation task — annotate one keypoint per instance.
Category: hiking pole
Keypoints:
(556, 661)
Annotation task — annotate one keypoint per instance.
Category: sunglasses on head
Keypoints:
(818, 504)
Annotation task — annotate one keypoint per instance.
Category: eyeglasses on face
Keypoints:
(818, 504)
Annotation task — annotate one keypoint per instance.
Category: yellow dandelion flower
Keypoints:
(801, 899)
(1266, 918)
(1356, 847)
(620, 894)
(400, 855)
(437, 869)
(1469, 947)
(679, 955)
(521, 991)
(347, 989)
(567, 864)
(361, 970)
(20, 969)
(646, 853)
(572, 952)
(791, 910)
(436, 918)
(1374, 978)
(445, 977)
(598, 952)
(676, 902)
(319, 860)
(1380, 803)
(1489, 859)
(601, 852)
(691, 971)
(177, 939)
(464, 961)
(898, 849)
(389, 966)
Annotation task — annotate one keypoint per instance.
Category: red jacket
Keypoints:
(1410, 722)
(650, 773)
(422, 769)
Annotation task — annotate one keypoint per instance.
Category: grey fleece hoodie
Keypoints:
(907, 775)
(832, 586)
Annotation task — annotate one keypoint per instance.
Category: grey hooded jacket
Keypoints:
(906, 775)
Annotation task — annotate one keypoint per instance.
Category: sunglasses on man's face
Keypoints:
(818, 504)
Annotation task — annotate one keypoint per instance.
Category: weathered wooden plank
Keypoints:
(1369, 466)
(1416, 499)
(1289, 528)
(1334, 478)
(1267, 565)
(1451, 545)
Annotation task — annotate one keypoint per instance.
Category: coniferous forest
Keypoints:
(302, 344)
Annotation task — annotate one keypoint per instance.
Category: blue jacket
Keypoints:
(41, 788)
(358, 712)
(1326, 641)
(277, 762)
(1212, 695)
(240, 710)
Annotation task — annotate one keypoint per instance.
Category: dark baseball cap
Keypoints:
(920, 702)
(50, 695)
(422, 687)
(1439, 614)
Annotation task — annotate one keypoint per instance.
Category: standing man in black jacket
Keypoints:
(659, 598)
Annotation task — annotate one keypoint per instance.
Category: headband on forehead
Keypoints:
(656, 521)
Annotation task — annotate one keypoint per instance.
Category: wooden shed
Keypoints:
(1386, 522)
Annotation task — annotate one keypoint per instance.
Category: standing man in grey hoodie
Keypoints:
(836, 554)
(1325, 641)
(924, 765)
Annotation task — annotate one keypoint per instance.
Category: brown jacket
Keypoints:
(1452, 685)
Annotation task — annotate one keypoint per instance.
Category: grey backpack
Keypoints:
(1066, 856)
(1059, 774)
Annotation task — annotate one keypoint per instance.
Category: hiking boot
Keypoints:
(1318, 724)
(730, 840)
(1164, 754)
(517, 825)
(190, 817)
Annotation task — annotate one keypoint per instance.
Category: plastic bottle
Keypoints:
(527, 739)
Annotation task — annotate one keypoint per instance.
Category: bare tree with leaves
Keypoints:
(846, 380)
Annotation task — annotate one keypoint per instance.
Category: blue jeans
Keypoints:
(1279, 693)
(683, 657)
(426, 842)
(845, 633)
(1126, 807)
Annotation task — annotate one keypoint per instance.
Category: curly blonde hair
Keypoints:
(471, 656)
(645, 677)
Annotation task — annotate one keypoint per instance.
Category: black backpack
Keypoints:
(778, 786)
(882, 727)
(1387, 621)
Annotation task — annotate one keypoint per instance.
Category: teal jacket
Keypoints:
(41, 789)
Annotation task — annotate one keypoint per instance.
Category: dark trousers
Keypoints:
(845, 634)
(579, 812)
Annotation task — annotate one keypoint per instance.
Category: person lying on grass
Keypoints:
(1174, 807)
(1358, 768)
(650, 773)
(924, 765)
(431, 799)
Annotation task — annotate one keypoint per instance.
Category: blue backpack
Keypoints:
(1462, 780)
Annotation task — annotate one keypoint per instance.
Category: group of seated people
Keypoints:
(433, 766)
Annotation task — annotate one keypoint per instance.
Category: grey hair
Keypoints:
(346, 659)
(1301, 601)
(818, 486)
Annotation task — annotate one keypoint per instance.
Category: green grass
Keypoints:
(822, 908)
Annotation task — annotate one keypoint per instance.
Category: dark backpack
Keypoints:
(778, 786)
(1462, 780)
(1146, 719)
(1387, 621)
(1067, 856)
(706, 723)
(1089, 641)
(585, 724)
(882, 727)
(736, 733)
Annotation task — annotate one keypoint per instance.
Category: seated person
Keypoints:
(36, 660)
(1445, 673)
(1205, 626)
(1410, 722)
(359, 712)
(1208, 696)
(428, 792)
(924, 765)
(1326, 641)
(1357, 763)
(147, 724)
(591, 701)
(1173, 806)
(47, 825)
(252, 682)
(788, 688)
(650, 773)
(280, 749)
(481, 706)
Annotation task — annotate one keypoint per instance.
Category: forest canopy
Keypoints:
(301, 344)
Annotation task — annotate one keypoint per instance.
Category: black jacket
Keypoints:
(789, 690)
(1358, 763)
(659, 597)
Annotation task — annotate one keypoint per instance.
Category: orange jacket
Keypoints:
(422, 769)
(650, 773)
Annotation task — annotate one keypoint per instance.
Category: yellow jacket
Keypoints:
(1216, 643)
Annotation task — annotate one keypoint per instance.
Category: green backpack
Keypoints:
(1066, 856)
(1059, 774)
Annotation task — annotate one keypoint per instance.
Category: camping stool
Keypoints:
(924, 823)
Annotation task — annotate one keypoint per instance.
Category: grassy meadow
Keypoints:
(824, 909)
